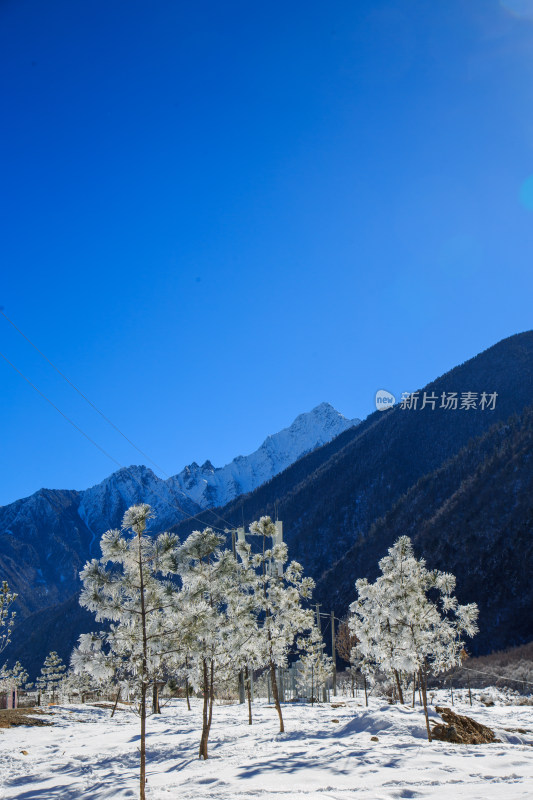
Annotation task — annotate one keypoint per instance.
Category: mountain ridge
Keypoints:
(212, 486)
(45, 539)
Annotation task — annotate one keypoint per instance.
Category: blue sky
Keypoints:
(217, 215)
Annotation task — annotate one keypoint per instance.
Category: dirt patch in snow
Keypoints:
(461, 730)
(22, 716)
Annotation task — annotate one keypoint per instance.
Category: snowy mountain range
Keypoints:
(210, 486)
(46, 539)
(199, 487)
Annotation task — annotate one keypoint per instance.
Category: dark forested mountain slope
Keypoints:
(43, 546)
(46, 539)
(326, 505)
(472, 517)
(56, 628)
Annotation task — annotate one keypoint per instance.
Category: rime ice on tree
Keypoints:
(401, 630)
(127, 586)
(52, 673)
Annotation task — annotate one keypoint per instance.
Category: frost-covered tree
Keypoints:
(401, 629)
(279, 592)
(16, 676)
(94, 656)
(52, 673)
(79, 684)
(345, 641)
(365, 665)
(216, 603)
(254, 647)
(180, 660)
(129, 587)
(7, 616)
(314, 666)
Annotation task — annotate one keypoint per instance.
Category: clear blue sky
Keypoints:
(217, 215)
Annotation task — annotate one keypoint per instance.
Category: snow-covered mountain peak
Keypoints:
(198, 487)
(212, 486)
(102, 506)
(320, 419)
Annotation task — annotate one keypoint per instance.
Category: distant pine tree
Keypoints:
(314, 666)
(345, 642)
(52, 673)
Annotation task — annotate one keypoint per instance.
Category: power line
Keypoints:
(60, 412)
(101, 449)
(98, 411)
(501, 677)
(65, 378)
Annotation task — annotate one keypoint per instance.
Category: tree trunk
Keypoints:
(366, 693)
(116, 703)
(142, 777)
(425, 701)
(276, 696)
(187, 694)
(398, 685)
(205, 716)
(272, 665)
(156, 709)
(248, 694)
(414, 688)
(334, 654)
(211, 696)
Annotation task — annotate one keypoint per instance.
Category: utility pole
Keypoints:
(278, 540)
(324, 690)
(237, 535)
(333, 655)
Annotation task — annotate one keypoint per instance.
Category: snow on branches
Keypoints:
(52, 673)
(279, 591)
(195, 610)
(129, 586)
(7, 617)
(401, 629)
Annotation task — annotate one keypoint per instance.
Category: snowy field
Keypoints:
(325, 754)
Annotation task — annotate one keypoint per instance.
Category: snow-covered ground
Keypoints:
(325, 754)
